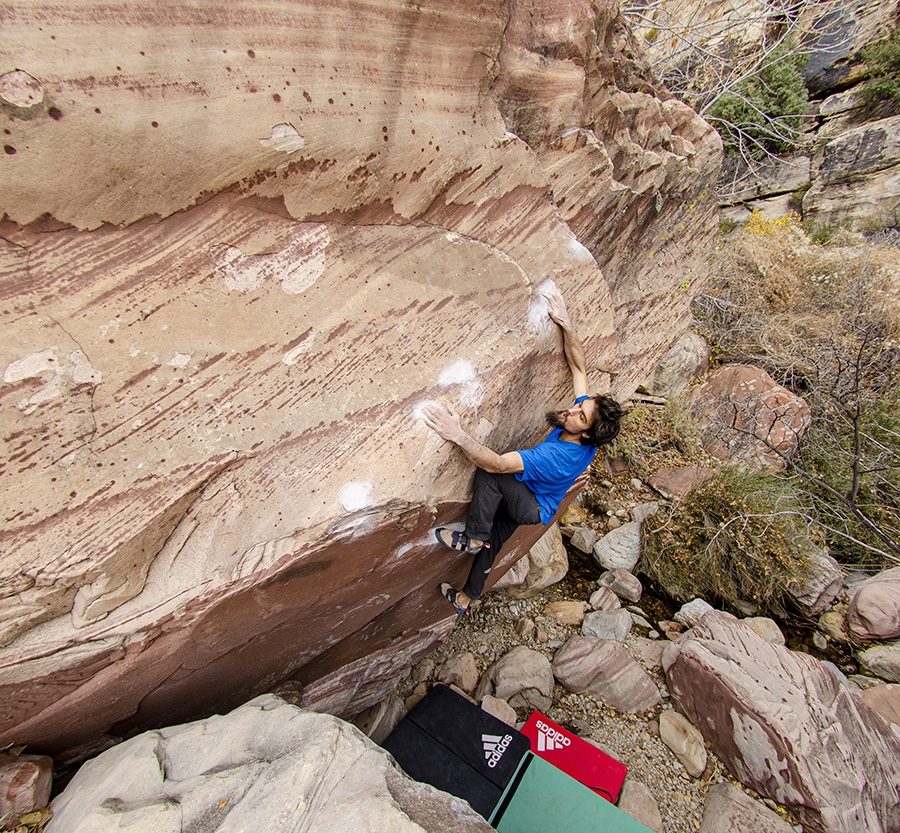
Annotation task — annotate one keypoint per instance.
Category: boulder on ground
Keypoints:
(636, 800)
(604, 599)
(605, 670)
(821, 584)
(265, 766)
(516, 671)
(786, 727)
(750, 418)
(620, 548)
(499, 709)
(885, 699)
(565, 612)
(679, 483)
(24, 786)
(612, 625)
(686, 743)
(693, 612)
(381, 719)
(882, 661)
(460, 670)
(874, 609)
(730, 810)
(623, 584)
(766, 629)
(548, 563)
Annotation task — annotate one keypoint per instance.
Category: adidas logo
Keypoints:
(549, 739)
(494, 747)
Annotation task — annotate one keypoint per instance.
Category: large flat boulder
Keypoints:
(240, 249)
(787, 727)
(265, 766)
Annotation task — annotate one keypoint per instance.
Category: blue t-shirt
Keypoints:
(551, 467)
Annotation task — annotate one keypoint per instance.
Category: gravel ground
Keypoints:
(489, 633)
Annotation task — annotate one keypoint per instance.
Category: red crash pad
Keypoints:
(575, 756)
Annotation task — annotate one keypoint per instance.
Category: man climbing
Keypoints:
(524, 487)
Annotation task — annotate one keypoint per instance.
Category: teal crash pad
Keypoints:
(542, 798)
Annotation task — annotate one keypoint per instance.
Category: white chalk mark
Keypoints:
(284, 137)
(538, 317)
(356, 496)
(462, 373)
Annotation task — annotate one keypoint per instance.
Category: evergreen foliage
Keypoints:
(881, 92)
(763, 114)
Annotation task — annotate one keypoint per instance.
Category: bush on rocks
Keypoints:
(735, 538)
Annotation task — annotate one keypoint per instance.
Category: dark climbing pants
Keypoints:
(500, 504)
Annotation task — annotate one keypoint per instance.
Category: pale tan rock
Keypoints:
(499, 709)
(565, 612)
(264, 766)
(730, 810)
(548, 563)
(636, 800)
(237, 265)
(459, 670)
(686, 743)
(766, 628)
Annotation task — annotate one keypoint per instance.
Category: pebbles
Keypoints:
(496, 626)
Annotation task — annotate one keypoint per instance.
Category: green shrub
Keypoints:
(652, 437)
(764, 113)
(880, 93)
(738, 537)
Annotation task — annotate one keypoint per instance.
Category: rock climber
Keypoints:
(524, 487)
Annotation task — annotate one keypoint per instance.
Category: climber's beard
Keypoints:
(556, 419)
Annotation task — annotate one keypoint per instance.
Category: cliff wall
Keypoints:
(240, 246)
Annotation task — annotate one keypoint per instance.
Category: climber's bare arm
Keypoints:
(447, 424)
(575, 356)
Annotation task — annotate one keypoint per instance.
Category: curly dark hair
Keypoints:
(606, 421)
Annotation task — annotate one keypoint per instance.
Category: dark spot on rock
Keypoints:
(97, 110)
(251, 53)
(331, 101)
(307, 96)
(55, 113)
(9, 150)
(154, 124)
(276, 98)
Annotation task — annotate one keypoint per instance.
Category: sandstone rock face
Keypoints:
(240, 248)
(265, 766)
(786, 727)
(752, 419)
(858, 180)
